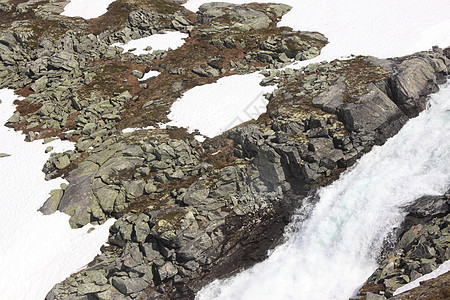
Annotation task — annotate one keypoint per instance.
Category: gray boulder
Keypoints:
(369, 112)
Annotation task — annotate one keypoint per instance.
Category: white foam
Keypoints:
(332, 253)
(37, 251)
(87, 9)
(162, 41)
(217, 107)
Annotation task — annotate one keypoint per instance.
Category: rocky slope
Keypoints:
(189, 212)
(423, 243)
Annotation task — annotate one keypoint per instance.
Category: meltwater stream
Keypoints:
(330, 255)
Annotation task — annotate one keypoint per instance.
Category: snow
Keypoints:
(443, 268)
(161, 41)
(381, 28)
(217, 107)
(199, 138)
(37, 251)
(87, 9)
(129, 130)
(149, 74)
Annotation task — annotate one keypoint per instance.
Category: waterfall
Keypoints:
(331, 254)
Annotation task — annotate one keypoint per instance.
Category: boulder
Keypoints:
(430, 206)
(413, 80)
(51, 205)
(129, 285)
(369, 112)
(78, 197)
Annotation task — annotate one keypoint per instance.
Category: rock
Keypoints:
(78, 196)
(137, 74)
(113, 167)
(142, 231)
(429, 206)
(370, 111)
(89, 288)
(106, 197)
(168, 270)
(372, 296)
(63, 60)
(331, 99)
(15, 118)
(49, 149)
(40, 84)
(129, 285)
(135, 188)
(415, 78)
(177, 175)
(196, 195)
(424, 251)
(239, 17)
(110, 293)
(62, 162)
(150, 188)
(51, 205)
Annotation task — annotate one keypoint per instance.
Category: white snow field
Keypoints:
(214, 108)
(87, 9)
(160, 41)
(149, 74)
(334, 251)
(37, 251)
(442, 269)
(382, 28)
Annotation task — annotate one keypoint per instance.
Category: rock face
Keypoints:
(190, 212)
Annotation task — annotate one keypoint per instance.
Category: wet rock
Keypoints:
(430, 206)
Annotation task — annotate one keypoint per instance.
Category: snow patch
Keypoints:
(149, 74)
(128, 130)
(37, 251)
(163, 41)
(86, 9)
(199, 138)
(217, 107)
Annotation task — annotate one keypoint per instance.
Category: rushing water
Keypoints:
(331, 254)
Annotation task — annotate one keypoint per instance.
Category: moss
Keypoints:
(358, 74)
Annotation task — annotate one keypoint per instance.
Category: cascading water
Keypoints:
(332, 253)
